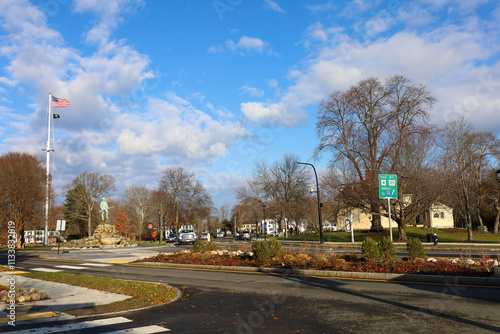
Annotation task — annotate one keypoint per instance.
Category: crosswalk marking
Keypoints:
(79, 267)
(46, 269)
(142, 330)
(96, 325)
(97, 264)
(71, 267)
(76, 326)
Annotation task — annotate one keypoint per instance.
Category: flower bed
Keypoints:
(334, 262)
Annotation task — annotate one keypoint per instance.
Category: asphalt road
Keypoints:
(226, 302)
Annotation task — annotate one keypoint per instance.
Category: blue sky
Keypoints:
(214, 86)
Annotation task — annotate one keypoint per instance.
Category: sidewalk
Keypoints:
(61, 297)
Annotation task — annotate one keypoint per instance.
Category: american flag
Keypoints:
(58, 103)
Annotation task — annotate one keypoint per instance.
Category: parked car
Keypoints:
(172, 237)
(244, 235)
(187, 236)
(220, 235)
(148, 238)
(204, 236)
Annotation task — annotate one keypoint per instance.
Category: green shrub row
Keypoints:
(385, 248)
(200, 247)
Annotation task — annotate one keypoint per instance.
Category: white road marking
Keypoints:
(142, 330)
(49, 270)
(97, 264)
(75, 326)
(71, 267)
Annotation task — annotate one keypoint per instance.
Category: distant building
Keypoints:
(438, 216)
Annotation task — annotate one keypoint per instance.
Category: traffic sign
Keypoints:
(347, 225)
(150, 226)
(388, 186)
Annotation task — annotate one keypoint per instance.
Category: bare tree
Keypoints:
(138, 201)
(367, 126)
(465, 153)
(175, 182)
(280, 186)
(89, 188)
(22, 182)
(189, 196)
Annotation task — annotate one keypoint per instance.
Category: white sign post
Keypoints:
(60, 226)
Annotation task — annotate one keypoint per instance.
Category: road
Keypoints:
(227, 302)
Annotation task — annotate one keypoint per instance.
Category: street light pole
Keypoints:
(256, 226)
(319, 202)
(159, 224)
(267, 227)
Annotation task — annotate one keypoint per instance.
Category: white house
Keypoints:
(438, 216)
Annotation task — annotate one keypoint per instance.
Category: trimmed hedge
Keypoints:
(369, 249)
(415, 248)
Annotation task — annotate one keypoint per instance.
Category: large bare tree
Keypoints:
(465, 153)
(367, 126)
(22, 195)
(89, 187)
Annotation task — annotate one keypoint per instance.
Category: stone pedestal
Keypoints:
(104, 235)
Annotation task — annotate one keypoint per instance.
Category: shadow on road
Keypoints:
(332, 284)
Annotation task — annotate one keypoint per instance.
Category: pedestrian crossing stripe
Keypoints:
(49, 270)
(97, 264)
(142, 330)
(95, 325)
(71, 267)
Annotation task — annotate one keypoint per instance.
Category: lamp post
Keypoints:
(256, 226)
(159, 224)
(164, 223)
(319, 203)
(267, 227)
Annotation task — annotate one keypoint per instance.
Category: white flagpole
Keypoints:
(47, 183)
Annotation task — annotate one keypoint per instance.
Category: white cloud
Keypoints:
(323, 7)
(216, 49)
(272, 113)
(252, 91)
(246, 43)
(178, 131)
(274, 6)
(109, 13)
(272, 83)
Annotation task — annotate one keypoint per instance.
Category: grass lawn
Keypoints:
(144, 294)
(445, 235)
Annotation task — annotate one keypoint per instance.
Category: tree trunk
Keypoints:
(479, 219)
(89, 221)
(402, 232)
(497, 221)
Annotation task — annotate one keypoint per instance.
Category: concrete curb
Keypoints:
(413, 278)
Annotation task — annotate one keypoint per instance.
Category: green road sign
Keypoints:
(388, 186)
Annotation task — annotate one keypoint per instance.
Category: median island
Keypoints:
(375, 258)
